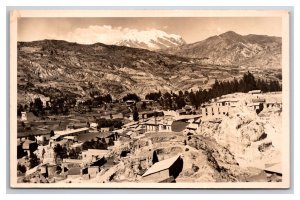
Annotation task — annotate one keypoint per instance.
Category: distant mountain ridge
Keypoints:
(151, 40)
(54, 67)
(234, 49)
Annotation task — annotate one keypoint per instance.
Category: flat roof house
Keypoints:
(192, 126)
(29, 146)
(59, 135)
(165, 125)
(151, 125)
(91, 155)
(255, 106)
(105, 129)
(227, 102)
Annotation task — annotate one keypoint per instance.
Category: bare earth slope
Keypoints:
(232, 48)
(53, 67)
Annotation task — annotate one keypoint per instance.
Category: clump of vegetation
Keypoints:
(61, 151)
(173, 101)
(34, 161)
(131, 96)
(113, 123)
(21, 168)
(95, 145)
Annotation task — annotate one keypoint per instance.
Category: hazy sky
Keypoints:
(110, 30)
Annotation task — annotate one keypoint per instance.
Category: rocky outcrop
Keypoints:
(253, 140)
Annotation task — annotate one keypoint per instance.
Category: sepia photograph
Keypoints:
(149, 99)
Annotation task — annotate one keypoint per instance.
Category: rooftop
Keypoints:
(55, 137)
(178, 126)
(74, 171)
(70, 137)
(186, 117)
(192, 126)
(254, 91)
(258, 100)
(71, 131)
(130, 124)
(27, 143)
(74, 161)
(99, 152)
(76, 145)
(274, 168)
(105, 134)
(162, 165)
(227, 100)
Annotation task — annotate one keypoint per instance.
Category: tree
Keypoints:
(51, 133)
(30, 106)
(248, 82)
(20, 109)
(144, 106)
(31, 137)
(73, 154)
(155, 96)
(167, 101)
(34, 161)
(21, 168)
(61, 152)
(38, 106)
(154, 158)
(131, 96)
(43, 153)
(180, 101)
(116, 123)
(25, 107)
(95, 144)
(135, 115)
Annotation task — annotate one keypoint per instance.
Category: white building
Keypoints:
(92, 155)
(23, 116)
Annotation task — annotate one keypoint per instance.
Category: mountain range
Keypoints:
(151, 40)
(52, 67)
(231, 48)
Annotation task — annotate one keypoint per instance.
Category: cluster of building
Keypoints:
(90, 161)
(118, 142)
(225, 106)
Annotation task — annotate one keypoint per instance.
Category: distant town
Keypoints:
(162, 137)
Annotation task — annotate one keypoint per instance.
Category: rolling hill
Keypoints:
(231, 48)
(50, 68)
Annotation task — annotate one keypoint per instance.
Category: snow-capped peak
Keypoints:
(150, 39)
